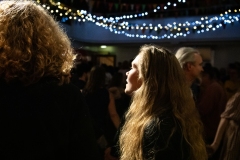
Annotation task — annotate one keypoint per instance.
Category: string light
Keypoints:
(158, 8)
(172, 30)
(177, 30)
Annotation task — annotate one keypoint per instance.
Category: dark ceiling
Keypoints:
(163, 7)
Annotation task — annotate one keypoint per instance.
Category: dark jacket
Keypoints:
(161, 141)
(45, 121)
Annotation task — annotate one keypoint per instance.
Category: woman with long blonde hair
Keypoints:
(162, 121)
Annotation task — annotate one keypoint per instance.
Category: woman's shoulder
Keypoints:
(232, 110)
(163, 120)
(163, 139)
(159, 127)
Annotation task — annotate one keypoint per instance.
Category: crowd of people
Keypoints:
(159, 105)
(216, 98)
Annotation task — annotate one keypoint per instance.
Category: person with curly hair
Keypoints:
(162, 121)
(42, 115)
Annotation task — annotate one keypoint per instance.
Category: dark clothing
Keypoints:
(98, 103)
(122, 104)
(195, 88)
(98, 106)
(211, 104)
(80, 83)
(161, 141)
(45, 121)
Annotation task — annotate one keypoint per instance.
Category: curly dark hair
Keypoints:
(32, 44)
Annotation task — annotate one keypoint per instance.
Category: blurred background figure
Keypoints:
(122, 100)
(101, 104)
(42, 116)
(191, 62)
(211, 102)
(80, 75)
(123, 68)
(227, 138)
(232, 84)
(108, 73)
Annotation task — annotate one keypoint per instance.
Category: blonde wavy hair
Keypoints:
(32, 44)
(163, 89)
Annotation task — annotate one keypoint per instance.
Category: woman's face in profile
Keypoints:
(133, 82)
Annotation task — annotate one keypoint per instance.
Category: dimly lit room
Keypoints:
(120, 79)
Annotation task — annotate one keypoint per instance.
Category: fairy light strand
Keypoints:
(171, 30)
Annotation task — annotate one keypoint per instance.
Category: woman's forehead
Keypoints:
(136, 60)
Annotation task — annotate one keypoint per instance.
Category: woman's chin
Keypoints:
(127, 91)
